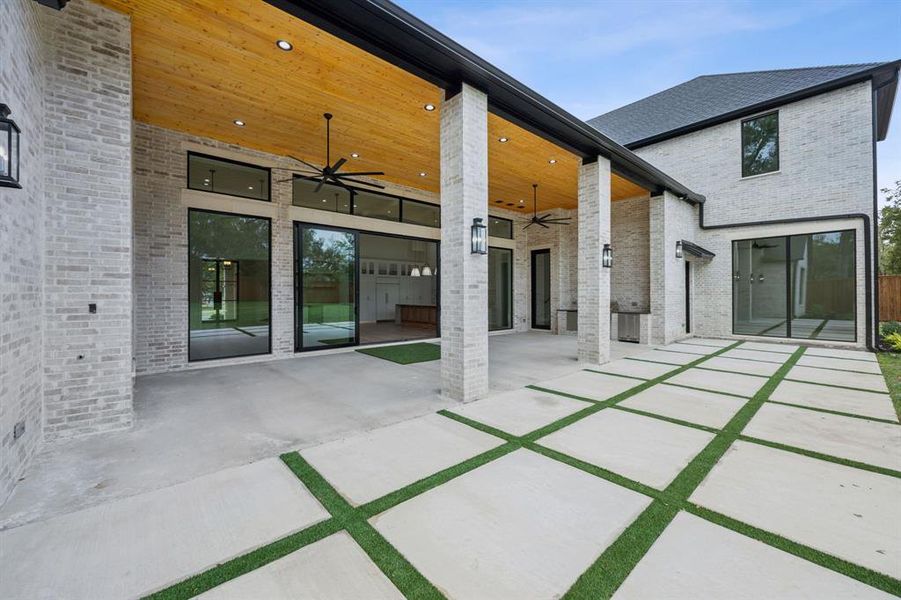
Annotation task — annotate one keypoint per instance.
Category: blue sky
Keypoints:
(591, 57)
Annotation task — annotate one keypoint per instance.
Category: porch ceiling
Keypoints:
(201, 64)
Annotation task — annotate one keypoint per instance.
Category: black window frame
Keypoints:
(789, 295)
(741, 144)
(402, 200)
(188, 257)
(512, 283)
(268, 171)
(510, 221)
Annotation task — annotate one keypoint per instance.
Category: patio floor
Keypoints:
(706, 478)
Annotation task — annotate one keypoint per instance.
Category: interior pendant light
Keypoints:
(415, 272)
(426, 271)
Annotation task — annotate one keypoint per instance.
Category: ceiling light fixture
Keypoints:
(429, 107)
(238, 122)
(553, 161)
(354, 155)
(285, 45)
(423, 174)
(503, 140)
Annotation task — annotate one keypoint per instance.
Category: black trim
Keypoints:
(230, 214)
(880, 75)
(789, 281)
(868, 249)
(503, 237)
(742, 143)
(268, 171)
(391, 33)
(697, 251)
(532, 288)
(688, 297)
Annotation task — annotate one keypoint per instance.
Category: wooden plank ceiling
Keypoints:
(201, 64)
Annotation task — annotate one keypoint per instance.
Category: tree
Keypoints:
(890, 231)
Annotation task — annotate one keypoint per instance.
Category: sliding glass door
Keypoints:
(326, 299)
(799, 286)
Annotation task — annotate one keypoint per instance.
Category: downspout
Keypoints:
(868, 247)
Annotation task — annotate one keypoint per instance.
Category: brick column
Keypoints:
(594, 279)
(464, 276)
(671, 219)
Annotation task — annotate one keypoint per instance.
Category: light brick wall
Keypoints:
(593, 278)
(630, 228)
(88, 228)
(464, 276)
(671, 220)
(21, 242)
(826, 168)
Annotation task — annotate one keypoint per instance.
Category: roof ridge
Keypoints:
(870, 64)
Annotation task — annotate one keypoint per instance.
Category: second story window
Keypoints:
(223, 176)
(760, 145)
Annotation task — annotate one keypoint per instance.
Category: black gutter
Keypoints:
(868, 262)
(396, 36)
(878, 74)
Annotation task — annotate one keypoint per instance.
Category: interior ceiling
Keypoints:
(201, 64)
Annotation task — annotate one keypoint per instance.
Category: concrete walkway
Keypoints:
(663, 478)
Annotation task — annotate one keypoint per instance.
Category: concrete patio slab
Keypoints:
(841, 364)
(843, 511)
(694, 406)
(856, 439)
(586, 384)
(636, 368)
(333, 568)
(860, 381)
(740, 365)
(137, 545)
(841, 353)
(694, 558)
(855, 402)
(713, 343)
(522, 526)
(689, 348)
(520, 411)
(671, 358)
(767, 347)
(774, 357)
(368, 466)
(641, 448)
(715, 381)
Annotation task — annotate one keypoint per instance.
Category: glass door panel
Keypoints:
(541, 289)
(328, 288)
(824, 286)
(759, 292)
(500, 288)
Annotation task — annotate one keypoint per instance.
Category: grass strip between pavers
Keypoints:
(839, 413)
(891, 369)
(405, 354)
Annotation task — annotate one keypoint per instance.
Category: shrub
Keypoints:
(893, 341)
(889, 327)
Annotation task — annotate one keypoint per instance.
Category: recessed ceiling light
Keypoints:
(238, 122)
(249, 187)
(423, 174)
(509, 204)
(498, 201)
(285, 45)
(429, 107)
(522, 201)
(503, 140)
(354, 155)
(553, 161)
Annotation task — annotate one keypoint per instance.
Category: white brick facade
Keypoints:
(594, 278)
(671, 220)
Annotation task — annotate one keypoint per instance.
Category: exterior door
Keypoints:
(541, 289)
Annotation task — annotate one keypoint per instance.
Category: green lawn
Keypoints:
(891, 368)
(406, 354)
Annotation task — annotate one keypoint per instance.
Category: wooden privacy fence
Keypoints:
(890, 297)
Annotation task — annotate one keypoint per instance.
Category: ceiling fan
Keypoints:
(329, 173)
(543, 220)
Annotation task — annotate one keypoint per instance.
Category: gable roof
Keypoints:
(711, 99)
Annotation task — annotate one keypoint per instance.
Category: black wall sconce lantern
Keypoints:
(678, 248)
(9, 150)
(479, 236)
(607, 256)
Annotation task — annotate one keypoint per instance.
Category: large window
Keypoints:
(500, 288)
(800, 286)
(222, 176)
(365, 203)
(760, 145)
(228, 285)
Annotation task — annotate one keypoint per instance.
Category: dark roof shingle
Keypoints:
(711, 96)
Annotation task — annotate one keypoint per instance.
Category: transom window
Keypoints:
(500, 228)
(760, 145)
(223, 176)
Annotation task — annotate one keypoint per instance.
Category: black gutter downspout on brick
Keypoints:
(868, 263)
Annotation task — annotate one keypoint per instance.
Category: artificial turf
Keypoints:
(891, 368)
(405, 354)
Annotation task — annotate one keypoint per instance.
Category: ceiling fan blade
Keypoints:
(338, 164)
(543, 225)
(529, 225)
(360, 173)
(319, 187)
(342, 181)
(557, 220)
(314, 167)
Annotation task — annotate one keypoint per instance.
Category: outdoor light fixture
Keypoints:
(678, 248)
(9, 150)
(479, 236)
(607, 256)
(429, 107)
(238, 122)
(285, 45)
